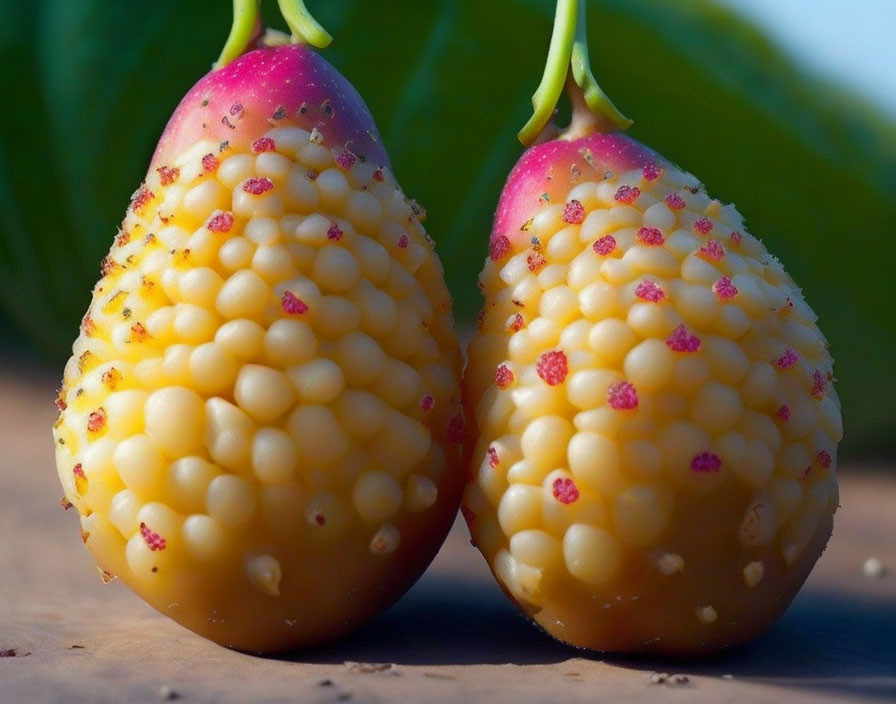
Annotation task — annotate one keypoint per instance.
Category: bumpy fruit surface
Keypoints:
(656, 467)
(260, 421)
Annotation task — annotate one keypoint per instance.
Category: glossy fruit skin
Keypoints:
(260, 424)
(655, 468)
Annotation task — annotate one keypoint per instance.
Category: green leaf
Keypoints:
(449, 81)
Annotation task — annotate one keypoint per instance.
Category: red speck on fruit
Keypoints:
(824, 459)
(493, 459)
(236, 109)
(96, 420)
(141, 199)
(334, 233)
(122, 238)
(819, 385)
(516, 323)
(806, 472)
(292, 304)
(139, 333)
(221, 222)
(88, 327)
(59, 401)
(724, 289)
(650, 236)
(111, 377)
(604, 245)
(503, 376)
(736, 237)
(468, 514)
(651, 172)
(783, 412)
(565, 490)
(153, 539)
(346, 160)
(703, 225)
(403, 242)
(168, 175)
(456, 430)
(498, 247)
(210, 163)
(682, 341)
(480, 318)
(81, 484)
(319, 518)
(552, 367)
(627, 194)
(622, 396)
(257, 186)
(65, 504)
(536, 262)
(674, 201)
(647, 290)
(712, 250)
(263, 144)
(378, 175)
(107, 265)
(427, 402)
(573, 212)
(706, 462)
(788, 358)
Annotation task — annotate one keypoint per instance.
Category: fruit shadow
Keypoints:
(446, 620)
(826, 641)
(829, 642)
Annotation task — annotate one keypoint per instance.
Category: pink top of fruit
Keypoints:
(280, 86)
(547, 172)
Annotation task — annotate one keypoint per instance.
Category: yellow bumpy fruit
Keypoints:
(260, 422)
(656, 466)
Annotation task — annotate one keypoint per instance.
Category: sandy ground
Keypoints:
(66, 637)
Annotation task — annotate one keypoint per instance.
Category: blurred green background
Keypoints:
(89, 85)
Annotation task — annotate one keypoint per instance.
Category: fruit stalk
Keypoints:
(568, 62)
(247, 26)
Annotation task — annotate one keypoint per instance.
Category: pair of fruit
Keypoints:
(261, 423)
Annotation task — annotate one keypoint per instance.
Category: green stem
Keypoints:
(246, 21)
(568, 54)
(596, 100)
(302, 25)
(545, 98)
